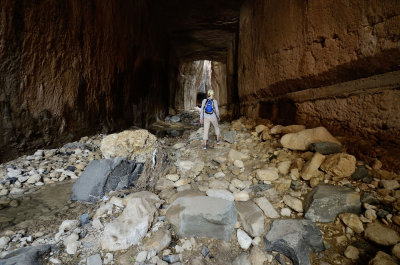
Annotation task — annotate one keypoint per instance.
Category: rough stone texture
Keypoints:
(353, 221)
(339, 165)
(381, 235)
(302, 139)
(136, 145)
(27, 255)
(310, 169)
(325, 148)
(158, 240)
(382, 258)
(93, 71)
(203, 216)
(251, 218)
(295, 239)
(267, 207)
(325, 202)
(133, 223)
(316, 43)
(103, 176)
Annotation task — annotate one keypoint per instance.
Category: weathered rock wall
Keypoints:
(289, 46)
(218, 82)
(70, 68)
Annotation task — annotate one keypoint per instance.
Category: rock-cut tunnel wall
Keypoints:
(330, 63)
(71, 68)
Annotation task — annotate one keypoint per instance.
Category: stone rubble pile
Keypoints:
(266, 195)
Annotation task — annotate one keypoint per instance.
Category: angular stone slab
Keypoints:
(105, 175)
(203, 216)
(27, 255)
(295, 239)
(325, 202)
(251, 217)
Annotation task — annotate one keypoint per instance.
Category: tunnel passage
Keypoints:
(70, 68)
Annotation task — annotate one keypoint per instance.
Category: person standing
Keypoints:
(209, 113)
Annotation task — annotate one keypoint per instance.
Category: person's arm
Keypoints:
(216, 108)
(202, 111)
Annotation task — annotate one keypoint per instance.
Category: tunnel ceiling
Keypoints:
(200, 29)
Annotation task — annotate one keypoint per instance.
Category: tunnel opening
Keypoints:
(195, 79)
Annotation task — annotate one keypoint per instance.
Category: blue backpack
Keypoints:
(209, 109)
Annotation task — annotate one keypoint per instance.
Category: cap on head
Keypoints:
(210, 93)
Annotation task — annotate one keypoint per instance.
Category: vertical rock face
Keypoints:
(218, 82)
(193, 77)
(69, 68)
(288, 47)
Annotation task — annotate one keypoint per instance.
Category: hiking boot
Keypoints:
(204, 146)
(219, 141)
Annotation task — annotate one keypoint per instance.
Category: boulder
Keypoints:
(279, 129)
(353, 221)
(251, 218)
(325, 148)
(133, 223)
(310, 169)
(301, 140)
(260, 128)
(236, 155)
(242, 259)
(339, 165)
(382, 258)
(103, 176)
(325, 202)
(138, 145)
(269, 174)
(229, 136)
(203, 216)
(294, 239)
(381, 235)
(27, 255)
(243, 239)
(158, 241)
(267, 207)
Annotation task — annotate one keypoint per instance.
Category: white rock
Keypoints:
(238, 163)
(16, 191)
(181, 182)
(141, 256)
(267, 207)
(242, 196)
(220, 193)
(3, 192)
(55, 261)
(286, 212)
(283, 167)
(132, 225)
(109, 257)
(236, 155)
(178, 146)
(13, 173)
(238, 184)
(71, 239)
(293, 203)
(172, 177)
(218, 184)
(269, 174)
(243, 239)
(219, 174)
(4, 241)
(72, 247)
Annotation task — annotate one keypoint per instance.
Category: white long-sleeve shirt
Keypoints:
(203, 112)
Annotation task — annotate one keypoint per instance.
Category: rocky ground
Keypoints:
(266, 195)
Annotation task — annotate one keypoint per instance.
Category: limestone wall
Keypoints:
(70, 68)
(290, 46)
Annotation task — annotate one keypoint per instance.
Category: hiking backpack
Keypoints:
(209, 108)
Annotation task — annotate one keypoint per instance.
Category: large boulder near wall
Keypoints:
(301, 140)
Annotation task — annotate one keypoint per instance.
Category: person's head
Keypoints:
(210, 93)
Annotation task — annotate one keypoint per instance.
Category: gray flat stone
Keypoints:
(229, 137)
(325, 202)
(203, 216)
(94, 260)
(251, 217)
(325, 148)
(294, 239)
(103, 176)
(27, 256)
